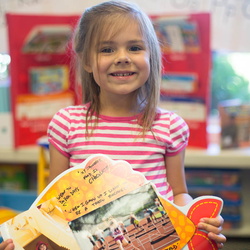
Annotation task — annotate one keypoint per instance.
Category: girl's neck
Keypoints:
(119, 108)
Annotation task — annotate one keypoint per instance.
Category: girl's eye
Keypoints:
(135, 48)
(107, 50)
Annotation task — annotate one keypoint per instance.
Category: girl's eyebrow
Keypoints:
(129, 42)
(137, 41)
(105, 43)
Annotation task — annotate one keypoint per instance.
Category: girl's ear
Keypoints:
(88, 68)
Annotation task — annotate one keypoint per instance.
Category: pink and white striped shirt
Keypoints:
(117, 137)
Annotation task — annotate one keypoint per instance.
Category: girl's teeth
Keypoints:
(121, 74)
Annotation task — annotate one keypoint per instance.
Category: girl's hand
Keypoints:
(214, 228)
(7, 245)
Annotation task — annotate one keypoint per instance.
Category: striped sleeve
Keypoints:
(58, 131)
(179, 135)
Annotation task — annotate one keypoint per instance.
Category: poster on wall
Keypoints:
(185, 88)
(41, 79)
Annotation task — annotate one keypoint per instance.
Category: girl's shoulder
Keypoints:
(71, 110)
(170, 119)
(163, 113)
(70, 114)
(81, 107)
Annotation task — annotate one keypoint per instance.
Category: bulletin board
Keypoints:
(42, 81)
(185, 87)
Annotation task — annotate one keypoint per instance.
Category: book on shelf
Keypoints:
(96, 205)
(48, 39)
(235, 124)
(49, 79)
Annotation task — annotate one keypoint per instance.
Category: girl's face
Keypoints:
(120, 64)
(42, 247)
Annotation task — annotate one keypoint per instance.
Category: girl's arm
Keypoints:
(177, 180)
(58, 162)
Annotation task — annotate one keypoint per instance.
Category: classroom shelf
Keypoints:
(27, 155)
(231, 158)
(214, 157)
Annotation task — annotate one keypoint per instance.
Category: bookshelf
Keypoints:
(213, 157)
(230, 158)
(27, 155)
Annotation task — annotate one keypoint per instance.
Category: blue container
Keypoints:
(17, 200)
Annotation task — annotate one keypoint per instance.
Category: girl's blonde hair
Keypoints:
(105, 19)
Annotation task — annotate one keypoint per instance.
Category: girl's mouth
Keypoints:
(123, 74)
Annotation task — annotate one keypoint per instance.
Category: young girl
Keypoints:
(119, 60)
(41, 246)
(118, 234)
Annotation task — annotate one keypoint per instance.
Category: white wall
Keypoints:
(230, 18)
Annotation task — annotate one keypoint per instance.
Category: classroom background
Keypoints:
(206, 52)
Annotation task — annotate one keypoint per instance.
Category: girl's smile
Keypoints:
(123, 75)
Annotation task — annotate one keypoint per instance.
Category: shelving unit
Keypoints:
(214, 157)
(230, 158)
(244, 230)
(27, 155)
(195, 158)
(227, 159)
(22, 199)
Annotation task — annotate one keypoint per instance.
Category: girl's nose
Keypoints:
(122, 57)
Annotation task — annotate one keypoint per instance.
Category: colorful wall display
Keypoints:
(185, 86)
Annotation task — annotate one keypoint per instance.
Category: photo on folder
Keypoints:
(136, 219)
(42, 226)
